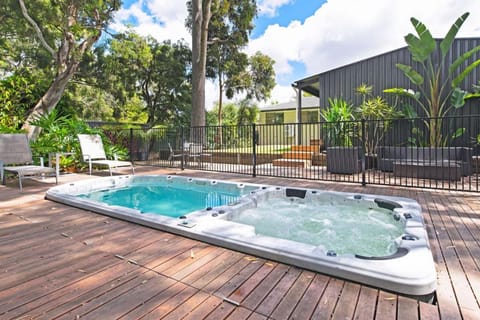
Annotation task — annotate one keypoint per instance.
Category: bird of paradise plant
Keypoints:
(435, 96)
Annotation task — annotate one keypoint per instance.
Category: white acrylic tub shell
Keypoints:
(412, 273)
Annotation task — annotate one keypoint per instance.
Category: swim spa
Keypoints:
(375, 240)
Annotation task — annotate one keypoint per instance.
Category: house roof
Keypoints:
(311, 84)
(307, 102)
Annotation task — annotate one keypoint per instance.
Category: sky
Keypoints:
(306, 37)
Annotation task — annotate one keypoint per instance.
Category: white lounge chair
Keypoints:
(94, 153)
(16, 158)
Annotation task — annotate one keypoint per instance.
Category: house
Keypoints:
(381, 72)
(278, 124)
(286, 112)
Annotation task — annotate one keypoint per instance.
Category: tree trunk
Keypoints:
(201, 17)
(67, 55)
(48, 101)
(220, 103)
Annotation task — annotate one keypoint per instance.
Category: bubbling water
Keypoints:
(346, 227)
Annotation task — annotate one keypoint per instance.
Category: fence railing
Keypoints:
(421, 152)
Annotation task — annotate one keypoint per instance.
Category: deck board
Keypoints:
(62, 262)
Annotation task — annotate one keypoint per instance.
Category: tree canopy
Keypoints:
(56, 35)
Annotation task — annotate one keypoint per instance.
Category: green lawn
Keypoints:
(264, 149)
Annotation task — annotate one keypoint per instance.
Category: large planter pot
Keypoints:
(345, 160)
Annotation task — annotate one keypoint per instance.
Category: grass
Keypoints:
(261, 149)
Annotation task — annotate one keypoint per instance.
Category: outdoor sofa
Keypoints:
(441, 157)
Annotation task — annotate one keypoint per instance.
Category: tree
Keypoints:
(247, 112)
(438, 94)
(66, 29)
(158, 73)
(200, 18)
(225, 26)
(229, 28)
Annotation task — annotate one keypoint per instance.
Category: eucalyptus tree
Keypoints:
(230, 25)
(198, 21)
(437, 80)
(220, 31)
(64, 30)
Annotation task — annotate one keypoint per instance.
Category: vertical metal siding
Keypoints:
(381, 72)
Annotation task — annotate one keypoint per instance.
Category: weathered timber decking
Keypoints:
(66, 263)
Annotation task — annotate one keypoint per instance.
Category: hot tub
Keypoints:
(375, 240)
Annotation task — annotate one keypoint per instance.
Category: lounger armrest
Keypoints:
(40, 159)
(1, 172)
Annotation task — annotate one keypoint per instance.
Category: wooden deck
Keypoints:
(66, 263)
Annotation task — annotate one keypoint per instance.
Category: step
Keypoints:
(314, 148)
(291, 163)
(316, 142)
(301, 155)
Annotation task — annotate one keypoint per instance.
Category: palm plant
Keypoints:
(379, 115)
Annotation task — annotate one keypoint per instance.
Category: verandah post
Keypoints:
(131, 144)
(362, 148)
(182, 161)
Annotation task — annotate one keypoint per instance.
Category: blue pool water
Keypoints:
(169, 200)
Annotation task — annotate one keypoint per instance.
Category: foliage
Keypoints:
(230, 25)
(236, 129)
(437, 95)
(54, 36)
(241, 113)
(18, 92)
(151, 77)
(225, 27)
(379, 115)
(339, 126)
(87, 102)
(247, 112)
(59, 134)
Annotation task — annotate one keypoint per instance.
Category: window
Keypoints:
(309, 116)
(274, 118)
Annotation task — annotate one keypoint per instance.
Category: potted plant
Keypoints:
(378, 115)
(339, 123)
(340, 131)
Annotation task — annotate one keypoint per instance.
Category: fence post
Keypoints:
(254, 150)
(182, 144)
(362, 140)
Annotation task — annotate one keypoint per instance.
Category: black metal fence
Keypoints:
(421, 152)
